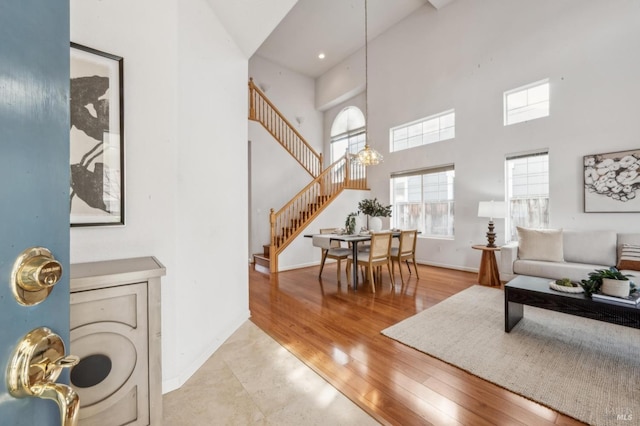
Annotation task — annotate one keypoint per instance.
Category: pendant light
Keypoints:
(367, 156)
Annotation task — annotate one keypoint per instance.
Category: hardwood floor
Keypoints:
(336, 332)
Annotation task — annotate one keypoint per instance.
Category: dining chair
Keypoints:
(406, 251)
(378, 256)
(330, 250)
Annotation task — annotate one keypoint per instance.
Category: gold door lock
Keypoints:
(34, 274)
(34, 367)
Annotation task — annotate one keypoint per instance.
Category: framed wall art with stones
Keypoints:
(612, 182)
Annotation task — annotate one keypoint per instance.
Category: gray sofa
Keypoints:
(583, 251)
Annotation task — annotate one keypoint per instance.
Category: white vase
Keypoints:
(617, 288)
(375, 224)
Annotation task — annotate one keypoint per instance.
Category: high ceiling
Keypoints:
(249, 22)
(333, 27)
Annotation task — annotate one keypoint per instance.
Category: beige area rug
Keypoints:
(587, 369)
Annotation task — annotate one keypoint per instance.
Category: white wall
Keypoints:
(465, 56)
(341, 82)
(186, 166)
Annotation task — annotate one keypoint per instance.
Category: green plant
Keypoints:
(594, 282)
(373, 208)
(350, 223)
(566, 282)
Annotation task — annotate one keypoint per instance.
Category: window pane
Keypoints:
(402, 144)
(424, 202)
(527, 193)
(401, 133)
(447, 120)
(415, 129)
(517, 100)
(432, 137)
(338, 148)
(538, 94)
(432, 126)
(449, 133)
(428, 130)
(415, 141)
(526, 103)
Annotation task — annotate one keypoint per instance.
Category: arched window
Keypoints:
(347, 131)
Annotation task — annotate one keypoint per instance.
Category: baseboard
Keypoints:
(447, 266)
(304, 265)
(420, 262)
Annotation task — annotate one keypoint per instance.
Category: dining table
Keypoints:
(353, 240)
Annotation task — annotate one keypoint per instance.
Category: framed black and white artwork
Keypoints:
(612, 182)
(96, 137)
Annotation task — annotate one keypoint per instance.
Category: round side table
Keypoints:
(488, 273)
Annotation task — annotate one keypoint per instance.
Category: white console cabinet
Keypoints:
(115, 330)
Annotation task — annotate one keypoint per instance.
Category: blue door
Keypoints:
(34, 179)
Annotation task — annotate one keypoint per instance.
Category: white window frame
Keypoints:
(421, 224)
(510, 223)
(355, 137)
(530, 107)
(434, 128)
(356, 140)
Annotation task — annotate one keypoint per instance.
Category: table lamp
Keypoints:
(491, 209)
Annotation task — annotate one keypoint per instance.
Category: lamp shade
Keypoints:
(491, 209)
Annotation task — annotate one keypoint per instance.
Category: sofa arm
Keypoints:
(508, 255)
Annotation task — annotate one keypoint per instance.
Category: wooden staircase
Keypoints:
(288, 222)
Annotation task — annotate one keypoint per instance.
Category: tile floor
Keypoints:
(252, 380)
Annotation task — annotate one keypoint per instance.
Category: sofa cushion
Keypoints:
(540, 244)
(555, 270)
(629, 257)
(596, 247)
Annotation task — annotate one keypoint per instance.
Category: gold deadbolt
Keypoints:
(34, 274)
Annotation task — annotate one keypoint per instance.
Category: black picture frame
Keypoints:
(96, 137)
(612, 182)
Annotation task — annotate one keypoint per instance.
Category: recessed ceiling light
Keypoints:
(321, 55)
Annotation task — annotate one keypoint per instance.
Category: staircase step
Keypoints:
(262, 263)
(265, 250)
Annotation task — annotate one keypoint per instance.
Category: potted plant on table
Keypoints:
(350, 223)
(374, 210)
(608, 281)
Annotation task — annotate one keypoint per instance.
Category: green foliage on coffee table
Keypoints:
(373, 208)
(593, 284)
(566, 282)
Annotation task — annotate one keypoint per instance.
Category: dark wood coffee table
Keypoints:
(534, 291)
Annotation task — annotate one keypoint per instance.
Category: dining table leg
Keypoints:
(354, 273)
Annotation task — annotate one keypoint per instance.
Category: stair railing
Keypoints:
(288, 222)
(264, 112)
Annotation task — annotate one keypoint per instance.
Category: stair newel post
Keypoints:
(252, 102)
(273, 253)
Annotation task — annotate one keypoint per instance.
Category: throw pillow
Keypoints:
(629, 257)
(540, 244)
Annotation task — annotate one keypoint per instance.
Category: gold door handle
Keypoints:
(34, 367)
(34, 274)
